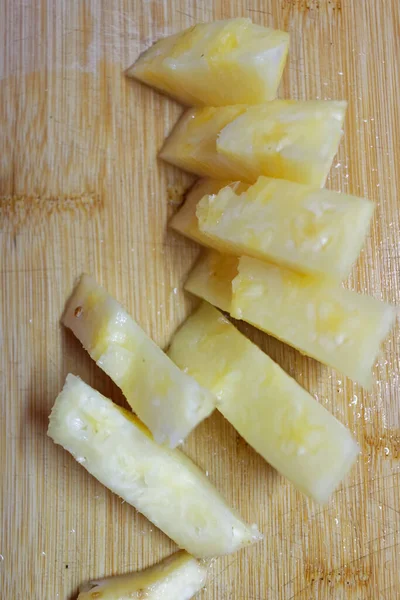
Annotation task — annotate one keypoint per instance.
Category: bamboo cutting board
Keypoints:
(81, 190)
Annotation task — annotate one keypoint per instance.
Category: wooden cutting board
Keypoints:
(81, 190)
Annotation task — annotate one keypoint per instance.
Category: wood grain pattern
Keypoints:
(81, 190)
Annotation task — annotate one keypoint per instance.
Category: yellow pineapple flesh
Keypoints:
(211, 278)
(276, 416)
(178, 577)
(284, 139)
(161, 483)
(225, 62)
(167, 400)
(192, 144)
(302, 227)
(336, 326)
(185, 220)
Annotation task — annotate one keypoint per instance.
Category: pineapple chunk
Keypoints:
(336, 326)
(302, 227)
(163, 484)
(185, 220)
(168, 401)
(192, 144)
(285, 139)
(211, 278)
(178, 577)
(276, 416)
(219, 63)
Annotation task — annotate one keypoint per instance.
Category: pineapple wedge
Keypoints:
(169, 402)
(185, 220)
(276, 416)
(285, 139)
(338, 327)
(224, 62)
(178, 577)
(294, 225)
(163, 484)
(211, 278)
(192, 144)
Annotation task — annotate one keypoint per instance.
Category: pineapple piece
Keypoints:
(211, 279)
(224, 62)
(336, 326)
(297, 226)
(168, 401)
(192, 144)
(285, 139)
(185, 220)
(276, 416)
(163, 484)
(178, 577)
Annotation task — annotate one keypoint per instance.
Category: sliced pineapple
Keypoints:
(192, 144)
(276, 416)
(163, 484)
(211, 278)
(168, 401)
(178, 577)
(286, 139)
(185, 220)
(336, 326)
(224, 62)
(298, 226)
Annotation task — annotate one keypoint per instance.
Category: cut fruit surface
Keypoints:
(220, 63)
(338, 327)
(167, 400)
(211, 278)
(274, 414)
(185, 220)
(163, 484)
(192, 144)
(287, 139)
(284, 139)
(294, 225)
(178, 577)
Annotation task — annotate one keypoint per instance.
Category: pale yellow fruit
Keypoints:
(336, 326)
(294, 225)
(185, 220)
(211, 278)
(192, 144)
(276, 416)
(220, 63)
(178, 577)
(285, 139)
(163, 484)
(167, 400)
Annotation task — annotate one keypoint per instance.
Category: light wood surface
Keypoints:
(81, 190)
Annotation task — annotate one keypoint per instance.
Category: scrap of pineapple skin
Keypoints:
(177, 577)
